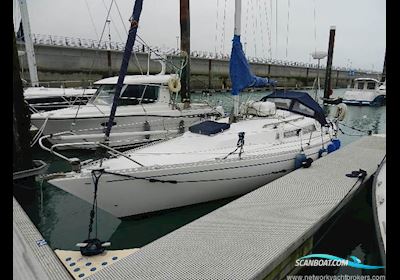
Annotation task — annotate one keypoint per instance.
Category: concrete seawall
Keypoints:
(63, 63)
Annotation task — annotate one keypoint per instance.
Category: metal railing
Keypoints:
(53, 40)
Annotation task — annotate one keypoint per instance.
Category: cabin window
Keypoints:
(133, 94)
(291, 133)
(370, 85)
(309, 129)
(104, 95)
(360, 85)
(305, 130)
(300, 108)
(281, 103)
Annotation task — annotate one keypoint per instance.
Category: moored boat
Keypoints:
(47, 99)
(366, 91)
(261, 141)
(207, 163)
(146, 104)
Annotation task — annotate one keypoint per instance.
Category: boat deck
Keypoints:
(251, 236)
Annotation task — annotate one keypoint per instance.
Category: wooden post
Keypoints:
(22, 157)
(209, 74)
(337, 79)
(109, 63)
(384, 70)
(327, 87)
(308, 70)
(185, 46)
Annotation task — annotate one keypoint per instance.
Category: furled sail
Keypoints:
(137, 9)
(239, 70)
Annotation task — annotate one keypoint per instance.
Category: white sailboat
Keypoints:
(366, 91)
(45, 98)
(214, 159)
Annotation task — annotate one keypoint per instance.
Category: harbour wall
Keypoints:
(79, 65)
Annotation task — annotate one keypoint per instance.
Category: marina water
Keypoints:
(63, 219)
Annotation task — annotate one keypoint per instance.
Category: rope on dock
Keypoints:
(365, 132)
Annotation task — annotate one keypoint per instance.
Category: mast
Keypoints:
(236, 31)
(137, 9)
(185, 46)
(28, 43)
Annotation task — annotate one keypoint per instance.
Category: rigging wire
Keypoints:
(287, 29)
(112, 21)
(126, 33)
(254, 29)
(268, 29)
(246, 29)
(270, 34)
(262, 33)
(276, 27)
(315, 27)
(91, 20)
(216, 29)
(223, 30)
(91, 67)
(16, 14)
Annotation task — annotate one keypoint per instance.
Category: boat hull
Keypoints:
(364, 98)
(125, 124)
(196, 183)
(379, 208)
(161, 121)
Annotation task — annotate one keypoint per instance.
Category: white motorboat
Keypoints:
(45, 98)
(262, 141)
(379, 207)
(146, 104)
(366, 91)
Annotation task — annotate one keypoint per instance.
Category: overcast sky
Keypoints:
(302, 25)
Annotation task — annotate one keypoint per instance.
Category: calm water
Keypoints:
(63, 219)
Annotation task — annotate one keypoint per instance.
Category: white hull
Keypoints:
(363, 94)
(165, 119)
(123, 197)
(379, 194)
(264, 160)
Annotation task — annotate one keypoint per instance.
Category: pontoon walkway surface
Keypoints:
(250, 237)
(33, 259)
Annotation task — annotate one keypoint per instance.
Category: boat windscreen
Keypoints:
(104, 95)
(130, 95)
(297, 102)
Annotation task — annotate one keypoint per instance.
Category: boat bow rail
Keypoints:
(75, 162)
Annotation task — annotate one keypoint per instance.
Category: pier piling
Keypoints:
(327, 87)
(185, 46)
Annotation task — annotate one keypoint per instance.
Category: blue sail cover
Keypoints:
(239, 70)
(130, 41)
(297, 102)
